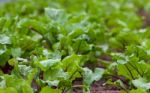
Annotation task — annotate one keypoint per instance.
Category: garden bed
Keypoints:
(75, 46)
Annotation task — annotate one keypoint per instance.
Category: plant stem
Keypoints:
(135, 69)
(79, 46)
(129, 71)
(45, 38)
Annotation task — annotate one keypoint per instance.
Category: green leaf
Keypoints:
(81, 46)
(16, 52)
(71, 64)
(55, 74)
(37, 26)
(12, 62)
(4, 39)
(76, 33)
(46, 64)
(90, 76)
(19, 84)
(4, 57)
(139, 90)
(53, 13)
(24, 70)
(8, 90)
(141, 83)
(49, 90)
(2, 82)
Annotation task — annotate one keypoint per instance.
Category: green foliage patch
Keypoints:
(45, 45)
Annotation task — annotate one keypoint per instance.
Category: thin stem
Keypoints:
(78, 86)
(135, 69)
(73, 74)
(142, 71)
(43, 37)
(101, 60)
(33, 29)
(129, 71)
(79, 46)
(64, 90)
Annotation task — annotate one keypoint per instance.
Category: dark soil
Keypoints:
(97, 87)
(145, 17)
(6, 69)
